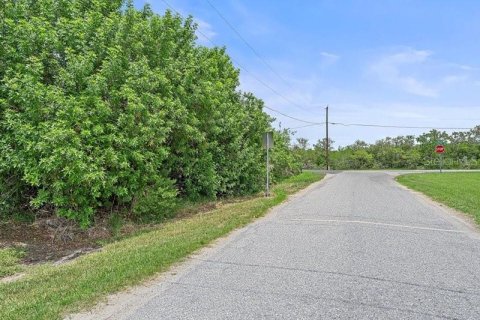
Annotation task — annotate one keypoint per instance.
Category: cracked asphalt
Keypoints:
(355, 246)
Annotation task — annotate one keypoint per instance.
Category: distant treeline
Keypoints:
(105, 106)
(402, 152)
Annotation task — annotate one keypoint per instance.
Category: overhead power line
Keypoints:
(272, 89)
(255, 52)
(311, 123)
(378, 126)
(306, 126)
(259, 57)
(393, 126)
(199, 31)
(266, 85)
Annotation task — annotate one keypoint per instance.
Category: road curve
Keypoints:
(356, 246)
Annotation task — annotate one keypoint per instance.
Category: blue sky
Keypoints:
(403, 62)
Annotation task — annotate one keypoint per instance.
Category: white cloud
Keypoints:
(205, 31)
(407, 115)
(454, 78)
(463, 67)
(253, 22)
(328, 58)
(391, 69)
(466, 68)
(329, 55)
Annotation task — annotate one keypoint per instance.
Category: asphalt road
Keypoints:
(356, 246)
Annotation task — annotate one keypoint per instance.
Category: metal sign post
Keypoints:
(268, 143)
(267, 192)
(440, 150)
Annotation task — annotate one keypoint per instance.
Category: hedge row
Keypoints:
(102, 104)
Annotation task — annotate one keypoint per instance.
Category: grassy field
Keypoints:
(9, 262)
(49, 292)
(459, 190)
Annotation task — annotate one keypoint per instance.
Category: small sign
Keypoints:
(268, 140)
(439, 148)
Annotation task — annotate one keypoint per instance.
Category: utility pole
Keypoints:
(267, 193)
(327, 143)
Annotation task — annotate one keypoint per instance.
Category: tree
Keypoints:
(320, 151)
(301, 144)
(284, 162)
(408, 152)
(104, 105)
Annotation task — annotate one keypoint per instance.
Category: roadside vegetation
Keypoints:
(402, 152)
(108, 108)
(49, 292)
(459, 190)
(10, 262)
(115, 121)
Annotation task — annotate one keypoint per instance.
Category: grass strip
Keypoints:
(49, 292)
(10, 262)
(458, 190)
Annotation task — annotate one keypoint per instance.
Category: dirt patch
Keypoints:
(50, 239)
(58, 239)
(13, 278)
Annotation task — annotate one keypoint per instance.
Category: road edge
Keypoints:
(125, 302)
(460, 217)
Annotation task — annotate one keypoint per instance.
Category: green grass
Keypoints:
(9, 262)
(49, 292)
(459, 190)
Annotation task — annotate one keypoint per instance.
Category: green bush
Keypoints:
(100, 101)
(156, 202)
(284, 162)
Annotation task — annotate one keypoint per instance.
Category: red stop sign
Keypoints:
(439, 149)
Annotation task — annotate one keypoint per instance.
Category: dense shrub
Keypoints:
(284, 162)
(102, 104)
(403, 152)
(155, 202)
